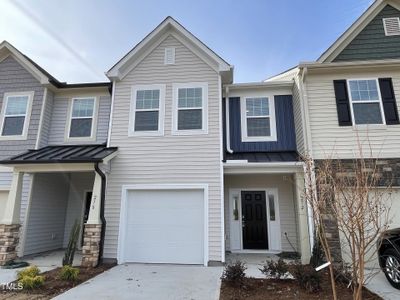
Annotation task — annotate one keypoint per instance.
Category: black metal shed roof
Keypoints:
(63, 154)
(291, 156)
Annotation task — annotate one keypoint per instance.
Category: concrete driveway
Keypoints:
(142, 281)
(380, 286)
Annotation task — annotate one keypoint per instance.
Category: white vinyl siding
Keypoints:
(168, 159)
(298, 117)
(147, 110)
(328, 138)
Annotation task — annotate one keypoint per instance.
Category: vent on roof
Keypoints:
(392, 26)
(169, 58)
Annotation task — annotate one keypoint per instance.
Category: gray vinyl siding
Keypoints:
(371, 42)
(168, 159)
(79, 184)
(45, 224)
(286, 198)
(15, 78)
(46, 122)
(5, 180)
(60, 117)
(298, 117)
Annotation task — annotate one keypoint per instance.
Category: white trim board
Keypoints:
(144, 187)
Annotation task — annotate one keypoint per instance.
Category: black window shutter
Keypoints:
(389, 101)
(342, 102)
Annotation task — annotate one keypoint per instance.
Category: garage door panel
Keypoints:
(165, 226)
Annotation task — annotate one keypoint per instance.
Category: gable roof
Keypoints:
(38, 72)
(154, 38)
(334, 50)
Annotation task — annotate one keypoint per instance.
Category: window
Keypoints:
(258, 119)
(391, 26)
(147, 110)
(169, 56)
(82, 117)
(366, 104)
(190, 108)
(15, 115)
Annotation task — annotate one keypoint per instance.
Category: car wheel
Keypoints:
(391, 267)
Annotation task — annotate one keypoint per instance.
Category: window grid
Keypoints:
(363, 93)
(147, 101)
(12, 114)
(82, 109)
(190, 99)
(257, 108)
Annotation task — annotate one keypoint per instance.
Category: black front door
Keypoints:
(254, 220)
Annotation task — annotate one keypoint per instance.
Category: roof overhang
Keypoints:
(170, 27)
(344, 40)
(260, 85)
(6, 49)
(62, 155)
(242, 167)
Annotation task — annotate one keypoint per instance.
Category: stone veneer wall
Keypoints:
(388, 172)
(9, 238)
(91, 245)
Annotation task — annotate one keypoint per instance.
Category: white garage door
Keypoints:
(3, 199)
(164, 226)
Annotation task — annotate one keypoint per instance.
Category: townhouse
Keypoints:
(172, 162)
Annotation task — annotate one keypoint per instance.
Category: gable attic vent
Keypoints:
(392, 26)
(169, 58)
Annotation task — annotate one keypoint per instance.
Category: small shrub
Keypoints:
(275, 269)
(69, 273)
(68, 258)
(31, 282)
(234, 273)
(307, 277)
(31, 271)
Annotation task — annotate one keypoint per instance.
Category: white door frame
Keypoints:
(235, 226)
(124, 216)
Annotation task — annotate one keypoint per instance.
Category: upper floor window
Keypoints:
(15, 115)
(258, 119)
(147, 110)
(190, 113)
(366, 103)
(82, 121)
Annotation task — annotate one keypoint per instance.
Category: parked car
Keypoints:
(389, 256)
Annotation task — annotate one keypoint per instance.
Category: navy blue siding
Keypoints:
(286, 137)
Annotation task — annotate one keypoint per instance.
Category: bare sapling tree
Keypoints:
(355, 194)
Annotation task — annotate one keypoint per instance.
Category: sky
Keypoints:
(79, 40)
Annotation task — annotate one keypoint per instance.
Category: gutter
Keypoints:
(102, 205)
(227, 121)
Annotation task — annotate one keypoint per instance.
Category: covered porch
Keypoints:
(67, 185)
(265, 212)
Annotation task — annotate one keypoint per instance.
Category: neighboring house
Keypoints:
(349, 97)
(194, 166)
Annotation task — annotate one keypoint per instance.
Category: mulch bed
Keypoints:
(53, 285)
(274, 289)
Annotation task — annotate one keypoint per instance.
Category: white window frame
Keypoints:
(161, 110)
(204, 108)
(24, 135)
(92, 136)
(365, 101)
(272, 118)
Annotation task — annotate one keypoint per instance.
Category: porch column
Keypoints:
(10, 223)
(304, 236)
(92, 230)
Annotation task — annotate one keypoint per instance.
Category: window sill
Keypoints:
(13, 138)
(145, 134)
(80, 139)
(189, 132)
(369, 127)
(258, 140)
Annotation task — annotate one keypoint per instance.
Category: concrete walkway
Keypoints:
(380, 286)
(44, 261)
(142, 281)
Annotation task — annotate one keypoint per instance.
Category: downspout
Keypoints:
(227, 121)
(102, 205)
